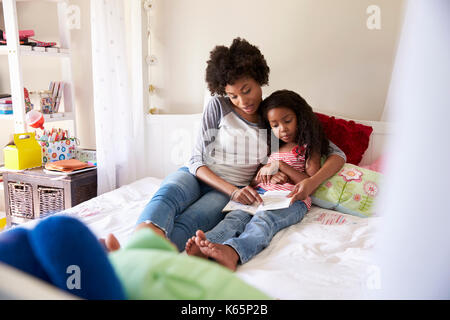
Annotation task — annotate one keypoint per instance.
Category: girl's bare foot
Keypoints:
(223, 254)
(193, 250)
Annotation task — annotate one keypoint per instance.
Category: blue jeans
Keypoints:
(182, 205)
(249, 234)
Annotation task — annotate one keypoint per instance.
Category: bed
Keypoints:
(326, 256)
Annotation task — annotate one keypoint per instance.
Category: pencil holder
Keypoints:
(46, 101)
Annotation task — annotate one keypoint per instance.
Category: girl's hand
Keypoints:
(246, 195)
(265, 173)
(279, 178)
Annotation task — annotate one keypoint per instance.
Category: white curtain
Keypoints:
(412, 259)
(118, 92)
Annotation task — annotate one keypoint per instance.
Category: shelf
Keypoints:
(41, 0)
(60, 116)
(44, 54)
(25, 51)
(6, 116)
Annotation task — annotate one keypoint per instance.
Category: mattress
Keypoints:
(325, 256)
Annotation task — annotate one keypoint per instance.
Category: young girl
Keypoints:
(302, 142)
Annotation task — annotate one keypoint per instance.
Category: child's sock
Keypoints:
(15, 250)
(74, 259)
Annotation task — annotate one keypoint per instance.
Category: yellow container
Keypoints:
(25, 154)
(2, 223)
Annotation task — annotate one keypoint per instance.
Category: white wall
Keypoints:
(322, 49)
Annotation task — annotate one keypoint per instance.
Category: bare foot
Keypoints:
(200, 237)
(157, 230)
(110, 243)
(223, 254)
(193, 250)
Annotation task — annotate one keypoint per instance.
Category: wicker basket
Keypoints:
(51, 200)
(21, 200)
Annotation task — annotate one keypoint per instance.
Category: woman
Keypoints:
(229, 150)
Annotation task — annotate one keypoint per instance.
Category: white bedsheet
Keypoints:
(326, 256)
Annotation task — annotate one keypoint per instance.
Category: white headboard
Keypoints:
(172, 136)
(170, 139)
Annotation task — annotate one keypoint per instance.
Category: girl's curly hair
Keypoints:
(309, 127)
(241, 59)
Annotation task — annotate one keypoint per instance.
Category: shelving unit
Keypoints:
(15, 52)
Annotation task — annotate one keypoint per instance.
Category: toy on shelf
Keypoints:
(35, 119)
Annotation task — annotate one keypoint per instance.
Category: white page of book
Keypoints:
(272, 200)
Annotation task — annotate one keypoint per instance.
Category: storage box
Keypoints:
(34, 194)
(24, 154)
(58, 150)
(87, 155)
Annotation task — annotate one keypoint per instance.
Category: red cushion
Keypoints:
(350, 137)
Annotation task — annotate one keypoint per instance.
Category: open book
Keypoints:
(272, 200)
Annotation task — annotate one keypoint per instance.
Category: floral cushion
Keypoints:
(352, 190)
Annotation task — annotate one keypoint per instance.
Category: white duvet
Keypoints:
(325, 256)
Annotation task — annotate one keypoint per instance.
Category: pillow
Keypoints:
(377, 165)
(350, 137)
(352, 190)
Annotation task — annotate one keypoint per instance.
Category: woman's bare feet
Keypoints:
(193, 250)
(223, 254)
(157, 230)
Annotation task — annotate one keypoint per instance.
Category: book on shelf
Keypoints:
(6, 106)
(6, 100)
(272, 200)
(59, 96)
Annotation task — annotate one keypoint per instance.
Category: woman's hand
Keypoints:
(302, 190)
(246, 195)
(265, 173)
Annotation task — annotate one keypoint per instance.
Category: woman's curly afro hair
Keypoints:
(241, 59)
